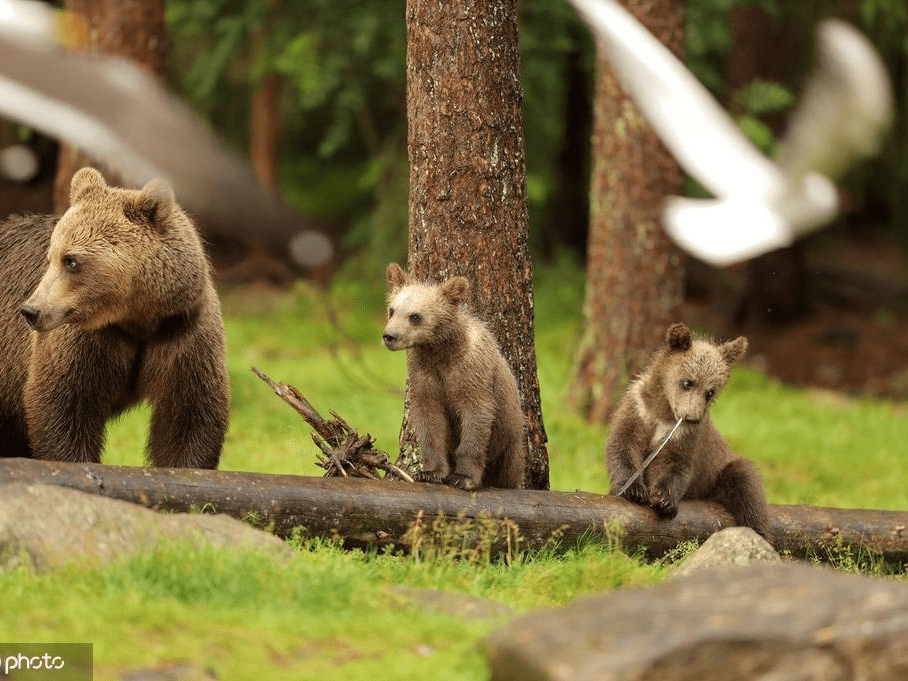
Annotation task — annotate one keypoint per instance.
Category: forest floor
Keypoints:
(854, 335)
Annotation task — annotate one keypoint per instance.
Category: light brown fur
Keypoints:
(120, 297)
(682, 380)
(464, 405)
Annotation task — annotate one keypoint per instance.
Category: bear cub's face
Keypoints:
(95, 250)
(417, 311)
(695, 371)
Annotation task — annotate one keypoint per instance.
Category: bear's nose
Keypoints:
(30, 313)
(386, 338)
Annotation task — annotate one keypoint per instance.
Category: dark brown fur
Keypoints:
(120, 297)
(683, 379)
(464, 402)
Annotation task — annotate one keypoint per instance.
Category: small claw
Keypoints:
(663, 504)
(428, 476)
(460, 482)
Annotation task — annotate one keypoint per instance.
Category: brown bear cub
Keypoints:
(119, 298)
(464, 403)
(680, 383)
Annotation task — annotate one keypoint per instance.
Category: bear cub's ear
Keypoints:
(678, 338)
(396, 277)
(733, 350)
(456, 290)
(84, 180)
(154, 202)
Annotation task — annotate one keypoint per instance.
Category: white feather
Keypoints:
(760, 204)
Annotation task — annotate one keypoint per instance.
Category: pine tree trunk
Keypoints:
(127, 28)
(468, 205)
(635, 274)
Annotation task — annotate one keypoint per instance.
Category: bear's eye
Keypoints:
(415, 318)
(710, 394)
(687, 384)
(70, 264)
(390, 312)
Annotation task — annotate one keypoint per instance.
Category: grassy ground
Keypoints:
(330, 615)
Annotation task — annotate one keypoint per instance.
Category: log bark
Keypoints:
(380, 513)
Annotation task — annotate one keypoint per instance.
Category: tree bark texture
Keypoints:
(468, 207)
(127, 28)
(635, 274)
(381, 513)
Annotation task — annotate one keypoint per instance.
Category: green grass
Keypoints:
(329, 615)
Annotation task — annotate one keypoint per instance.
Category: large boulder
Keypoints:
(46, 526)
(785, 622)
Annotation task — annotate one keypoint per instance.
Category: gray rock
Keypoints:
(46, 526)
(780, 622)
(731, 546)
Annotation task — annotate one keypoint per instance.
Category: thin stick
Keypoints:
(648, 460)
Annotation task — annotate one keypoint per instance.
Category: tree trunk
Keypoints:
(263, 130)
(635, 274)
(382, 513)
(468, 205)
(127, 28)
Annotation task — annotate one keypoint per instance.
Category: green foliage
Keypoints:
(709, 41)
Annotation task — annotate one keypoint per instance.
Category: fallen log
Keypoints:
(364, 512)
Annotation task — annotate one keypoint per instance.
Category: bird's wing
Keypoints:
(689, 121)
(123, 116)
(845, 110)
(725, 231)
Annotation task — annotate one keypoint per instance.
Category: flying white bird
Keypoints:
(123, 116)
(759, 204)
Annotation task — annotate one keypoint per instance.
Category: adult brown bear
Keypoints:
(119, 298)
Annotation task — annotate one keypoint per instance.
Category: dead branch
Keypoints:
(344, 452)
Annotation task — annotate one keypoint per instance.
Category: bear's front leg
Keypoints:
(66, 396)
(472, 451)
(624, 453)
(432, 429)
(190, 398)
(667, 480)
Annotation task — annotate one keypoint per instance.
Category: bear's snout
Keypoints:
(31, 314)
(390, 340)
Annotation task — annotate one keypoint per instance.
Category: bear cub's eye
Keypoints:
(687, 384)
(415, 318)
(390, 312)
(70, 264)
(710, 394)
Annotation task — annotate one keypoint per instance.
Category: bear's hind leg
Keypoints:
(739, 489)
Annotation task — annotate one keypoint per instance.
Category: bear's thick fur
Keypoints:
(119, 295)
(681, 382)
(464, 403)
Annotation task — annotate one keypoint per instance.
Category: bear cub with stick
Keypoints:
(667, 407)
(464, 403)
